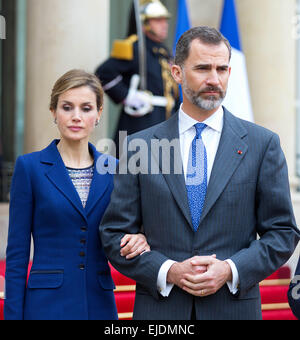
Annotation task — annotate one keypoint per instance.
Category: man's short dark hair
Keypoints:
(205, 34)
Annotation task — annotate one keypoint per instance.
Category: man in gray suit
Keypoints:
(226, 183)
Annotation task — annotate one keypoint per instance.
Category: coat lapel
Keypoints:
(232, 149)
(176, 182)
(58, 175)
(101, 179)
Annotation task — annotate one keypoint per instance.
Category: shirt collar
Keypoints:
(214, 122)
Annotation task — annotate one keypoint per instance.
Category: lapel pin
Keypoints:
(240, 152)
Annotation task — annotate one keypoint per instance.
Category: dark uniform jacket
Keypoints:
(116, 73)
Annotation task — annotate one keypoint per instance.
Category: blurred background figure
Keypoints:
(138, 72)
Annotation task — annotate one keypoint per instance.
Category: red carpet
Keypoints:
(274, 296)
(273, 293)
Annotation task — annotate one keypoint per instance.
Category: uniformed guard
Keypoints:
(148, 92)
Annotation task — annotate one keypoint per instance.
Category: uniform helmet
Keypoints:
(153, 10)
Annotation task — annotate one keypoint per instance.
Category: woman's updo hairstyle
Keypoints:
(75, 79)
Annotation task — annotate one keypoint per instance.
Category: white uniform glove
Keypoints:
(138, 103)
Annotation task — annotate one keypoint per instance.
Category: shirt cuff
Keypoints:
(163, 287)
(234, 284)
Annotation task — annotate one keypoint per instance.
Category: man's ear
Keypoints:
(177, 73)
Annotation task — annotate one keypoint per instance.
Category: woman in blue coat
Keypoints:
(58, 197)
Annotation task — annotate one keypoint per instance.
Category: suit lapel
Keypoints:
(176, 182)
(231, 151)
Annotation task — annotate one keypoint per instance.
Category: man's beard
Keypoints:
(206, 104)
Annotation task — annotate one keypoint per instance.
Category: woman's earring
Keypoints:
(55, 121)
(97, 122)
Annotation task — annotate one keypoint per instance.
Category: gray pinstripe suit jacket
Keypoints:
(248, 195)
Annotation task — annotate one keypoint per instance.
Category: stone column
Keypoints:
(270, 47)
(61, 35)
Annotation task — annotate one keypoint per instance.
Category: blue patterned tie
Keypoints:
(196, 179)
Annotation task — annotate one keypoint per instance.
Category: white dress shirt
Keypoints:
(211, 139)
